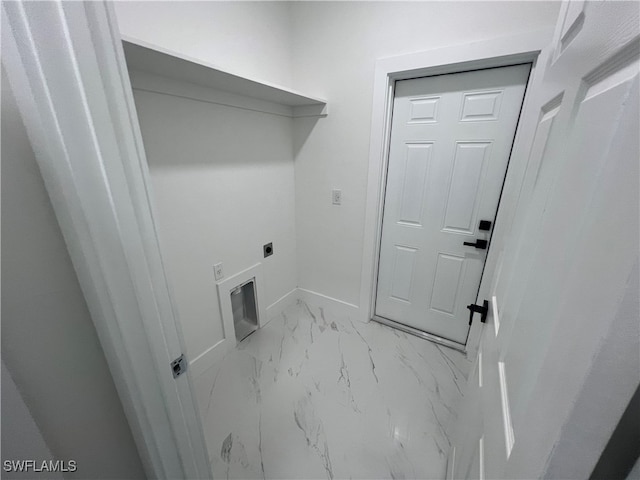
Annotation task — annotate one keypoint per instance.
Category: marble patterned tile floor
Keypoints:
(317, 395)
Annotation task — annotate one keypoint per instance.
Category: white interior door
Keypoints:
(451, 136)
(573, 244)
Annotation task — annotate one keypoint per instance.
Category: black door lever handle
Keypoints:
(481, 244)
(481, 309)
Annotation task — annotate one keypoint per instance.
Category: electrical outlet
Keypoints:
(217, 271)
(268, 249)
(337, 196)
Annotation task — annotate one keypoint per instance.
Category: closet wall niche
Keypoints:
(220, 152)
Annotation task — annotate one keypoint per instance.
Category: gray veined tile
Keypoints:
(318, 395)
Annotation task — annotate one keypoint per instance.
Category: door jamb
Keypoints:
(66, 67)
(498, 52)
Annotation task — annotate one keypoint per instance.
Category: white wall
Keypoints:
(335, 48)
(223, 177)
(248, 38)
(21, 437)
(49, 343)
(223, 181)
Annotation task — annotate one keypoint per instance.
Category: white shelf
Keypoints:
(155, 60)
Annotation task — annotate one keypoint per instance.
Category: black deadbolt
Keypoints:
(484, 225)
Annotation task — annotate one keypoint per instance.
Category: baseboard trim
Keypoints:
(333, 304)
(216, 353)
(277, 307)
(209, 357)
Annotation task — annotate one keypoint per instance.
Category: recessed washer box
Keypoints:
(242, 303)
(245, 309)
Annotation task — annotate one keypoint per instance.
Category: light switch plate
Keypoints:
(336, 196)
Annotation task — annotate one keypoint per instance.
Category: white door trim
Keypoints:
(66, 66)
(509, 50)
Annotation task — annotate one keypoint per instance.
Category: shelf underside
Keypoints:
(161, 62)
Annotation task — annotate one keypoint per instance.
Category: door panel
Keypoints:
(481, 106)
(403, 273)
(512, 283)
(451, 136)
(573, 241)
(466, 181)
(418, 156)
(449, 272)
(523, 353)
(423, 110)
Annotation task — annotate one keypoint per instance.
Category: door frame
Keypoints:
(66, 66)
(528, 47)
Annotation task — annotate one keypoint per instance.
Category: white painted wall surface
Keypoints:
(336, 45)
(21, 437)
(49, 343)
(247, 38)
(223, 181)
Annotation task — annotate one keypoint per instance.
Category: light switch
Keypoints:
(337, 196)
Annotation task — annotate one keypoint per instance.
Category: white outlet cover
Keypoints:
(217, 271)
